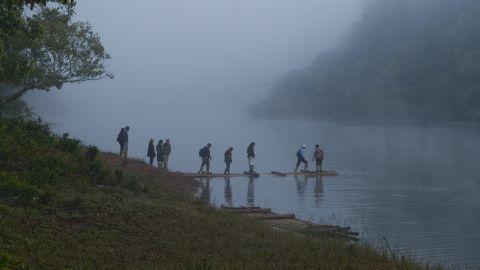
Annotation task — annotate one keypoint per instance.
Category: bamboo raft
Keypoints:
(247, 174)
(288, 222)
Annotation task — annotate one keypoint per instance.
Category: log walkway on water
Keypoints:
(289, 222)
(246, 174)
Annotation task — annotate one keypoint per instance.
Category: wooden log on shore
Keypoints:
(240, 207)
(275, 216)
(251, 211)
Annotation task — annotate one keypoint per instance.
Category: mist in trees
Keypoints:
(404, 59)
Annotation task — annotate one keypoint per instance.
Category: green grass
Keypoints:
(66, 206)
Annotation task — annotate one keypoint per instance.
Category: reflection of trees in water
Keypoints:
(251, 191)
(228, 192)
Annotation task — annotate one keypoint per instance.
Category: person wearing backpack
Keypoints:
(160, 154)
(151, 151)
(204, 153)
(318, 157)
(301, 157)
(120, 141)
(228, 160)
(251, 157)
(166, 150)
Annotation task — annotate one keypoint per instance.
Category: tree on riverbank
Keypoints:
(42, 48)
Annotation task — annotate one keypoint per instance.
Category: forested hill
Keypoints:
(404, 58)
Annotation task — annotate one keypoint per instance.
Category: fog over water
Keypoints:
(187, 70)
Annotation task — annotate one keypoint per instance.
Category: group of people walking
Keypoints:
(163, 149)
(206, 157)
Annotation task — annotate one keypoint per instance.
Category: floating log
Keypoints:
(278, 173)
(275, 216)
(252, 174)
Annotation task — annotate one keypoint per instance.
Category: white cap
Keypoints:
(304, 146)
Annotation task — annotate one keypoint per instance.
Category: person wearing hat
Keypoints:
(301, 157)
(204, 153)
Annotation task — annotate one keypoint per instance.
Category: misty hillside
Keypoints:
(408, 59)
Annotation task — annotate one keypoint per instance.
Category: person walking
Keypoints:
(228, 160)
(123, 141)
(318, 156)
(204, 153)
(301, 157)
(160, 154)
(151, 151)
(166, 150)
(120, 141)
(251, 157)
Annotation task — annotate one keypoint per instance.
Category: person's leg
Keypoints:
(159, 163)
(306, 163)
(125, 151)
(317, 165)
(201, 166)
(227, 170)
(151, 161)
(321, 163)
(165, 162)
(208, 166)
(298, 164)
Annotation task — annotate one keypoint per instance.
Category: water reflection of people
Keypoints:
(318, 193)
(228, 192)
(251, 191)
(301, 184)
(206, 190)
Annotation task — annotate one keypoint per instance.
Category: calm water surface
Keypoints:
(417, 186)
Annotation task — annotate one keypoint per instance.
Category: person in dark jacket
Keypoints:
(318, 156)
(206, 157)
(160, 154)
(120, 141)
(166, 150)
(228, 159)
(151, 151)
(251, 157)
(125, 142)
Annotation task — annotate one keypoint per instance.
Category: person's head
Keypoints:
(230, 148)
(127, 128)
(167, 141)
(209, 145)
(252, 144)
(160, 141)
(123, 129)
(304, 146)
(151, 141)
(317, 146)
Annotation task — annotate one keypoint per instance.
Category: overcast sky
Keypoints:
(217, 51)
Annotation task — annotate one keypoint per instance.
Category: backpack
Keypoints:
(201, 152)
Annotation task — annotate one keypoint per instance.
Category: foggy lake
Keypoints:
(417, 186)
(414, 185)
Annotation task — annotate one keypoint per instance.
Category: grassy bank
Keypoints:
(64, 205)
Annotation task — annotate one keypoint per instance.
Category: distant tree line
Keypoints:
(404, 59)
(42, 48)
